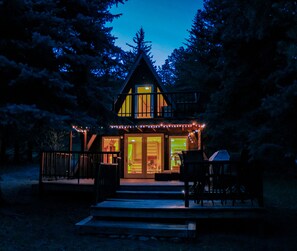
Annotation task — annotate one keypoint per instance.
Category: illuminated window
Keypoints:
(177, 145)
(110, 144)
(161, 103)
(144, 102)
(126, 109)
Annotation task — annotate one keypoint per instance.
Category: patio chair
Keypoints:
(194, 169)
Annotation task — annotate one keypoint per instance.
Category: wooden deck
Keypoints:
(87, 185)
(173, 209)
(150, 208)
(157, 208)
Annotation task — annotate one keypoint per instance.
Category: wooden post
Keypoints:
(199, 140)
(70, 141)
(70, 154)
(85, 140)
(41, 169)
(186, 183)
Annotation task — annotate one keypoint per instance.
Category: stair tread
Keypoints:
(152, 192)
(92, 224)
(139, 204)
(91, 221)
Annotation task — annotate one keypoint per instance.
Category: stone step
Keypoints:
(93, 225)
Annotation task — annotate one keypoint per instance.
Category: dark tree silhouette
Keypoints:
(141, 45)
(253, 65)
(57, 65)
(244, 56)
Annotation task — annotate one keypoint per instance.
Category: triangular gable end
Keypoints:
(142, 80)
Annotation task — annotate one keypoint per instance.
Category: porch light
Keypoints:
(147, 88)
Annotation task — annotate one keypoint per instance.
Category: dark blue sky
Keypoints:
(165, 23)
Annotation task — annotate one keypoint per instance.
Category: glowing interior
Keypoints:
(161, 102)
(177, 145)
(144, 102)
(126, 109)
(134, 155)
(110, 144)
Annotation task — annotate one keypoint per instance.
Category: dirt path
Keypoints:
(30, 222)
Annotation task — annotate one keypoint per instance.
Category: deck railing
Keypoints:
(159, 104)
(222, 181)
(78, 165)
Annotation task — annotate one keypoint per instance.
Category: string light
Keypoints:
(158, 126)
(82, 129)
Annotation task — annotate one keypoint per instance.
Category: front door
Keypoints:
(143, 155)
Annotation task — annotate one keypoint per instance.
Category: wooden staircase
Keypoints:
(158, 209)
(141, 210)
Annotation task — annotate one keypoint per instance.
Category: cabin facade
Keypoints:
(155, 124)
(155, 129)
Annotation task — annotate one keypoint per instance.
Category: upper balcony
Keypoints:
(156, 105)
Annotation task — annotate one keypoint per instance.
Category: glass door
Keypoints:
(134, 155)
(143, 155)
(144, 102)
(153, 154)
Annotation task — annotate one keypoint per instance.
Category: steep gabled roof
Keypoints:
(142, 57)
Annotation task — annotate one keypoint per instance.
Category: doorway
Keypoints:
(144, 101)
(143, 155)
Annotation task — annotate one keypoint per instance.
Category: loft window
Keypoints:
(144, 105)
(126, 109)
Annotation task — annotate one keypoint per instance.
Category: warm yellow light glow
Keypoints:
(144, 102)
(126, 109)
(177, 145)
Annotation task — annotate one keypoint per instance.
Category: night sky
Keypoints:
(165, 23)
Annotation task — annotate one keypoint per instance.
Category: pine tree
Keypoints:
(277, 130)
(254, 65)
(171, 71)
(56, 60)
(141, 45)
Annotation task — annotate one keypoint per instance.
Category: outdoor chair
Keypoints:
(222, 178)
(194, 169)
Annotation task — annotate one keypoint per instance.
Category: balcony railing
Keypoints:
(159, 105)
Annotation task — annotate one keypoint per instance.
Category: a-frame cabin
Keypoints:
(157, 125)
